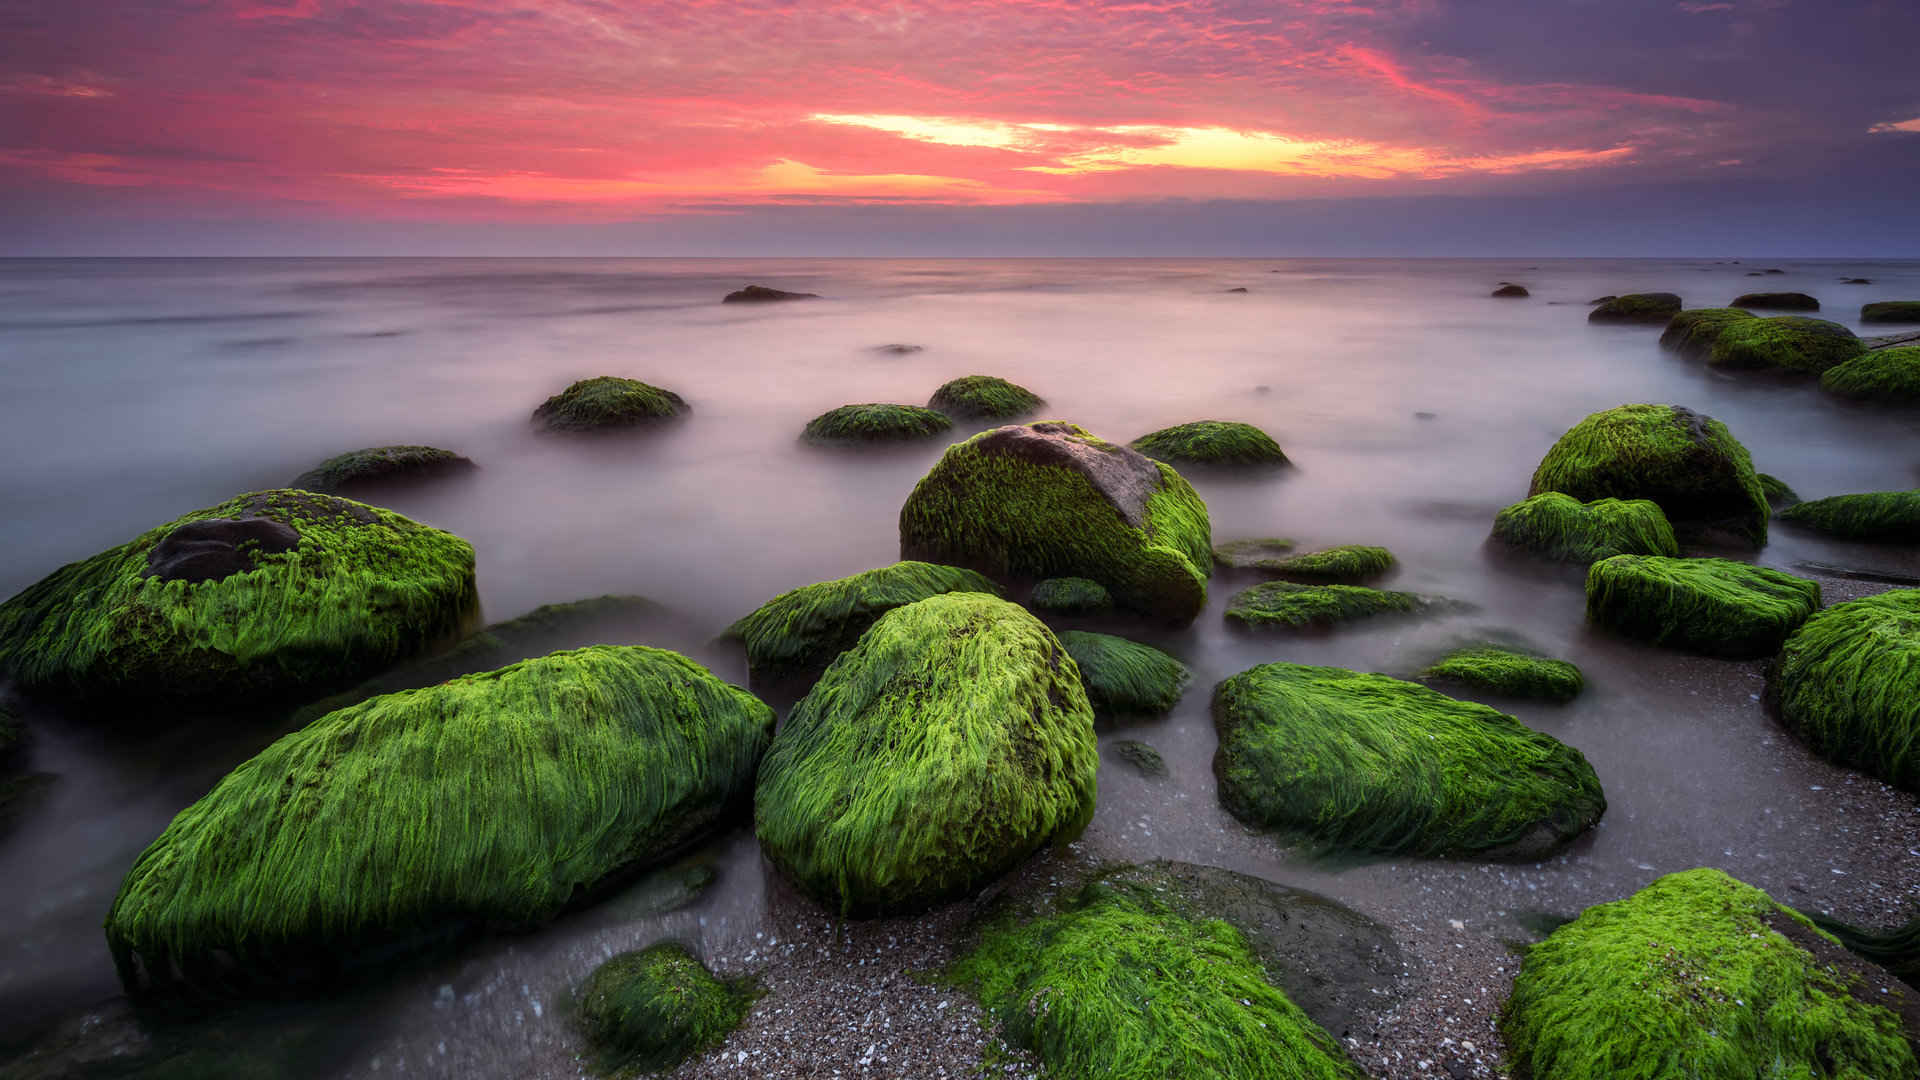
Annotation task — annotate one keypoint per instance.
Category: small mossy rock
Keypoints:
(1070, 596)
(1286, 605)
(1789, 344)
(1777, 492)
(1883, 376)
(1875, 517)
(1120, 986)
(983, 397)
(1144, 759)
(1511, 292)
(1125, 678)
(263, 596)
(875, 423)
(1252, 554)
(1494, 669)
(380, 468)
(1777, 301)
(1048, 500)
(489, 801)
(1369, 763)
(946, 747)
(608, 403)
(1653, 307)
(1891, 311)
(1346, 565)
(653, 1009)
(1564, 529)
(1692, 333)
(1713, 606)
(1688, 463)
(1602, 299)
(1847, 683)
(1897, 950)
(1696, 975)
(760, 294)
(1211, 442)
(803, 630)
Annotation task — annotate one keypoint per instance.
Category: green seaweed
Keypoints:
(1070, 596)
(874, 423)
(492, 800)
(1714, 606)
(804, 629)
(1144, 759)
(1370, 763)
(1125, 678)
(1876, 517)
(1791, 344)
(650, 1010)
(608, 403)
(1496, 670)
(983, 397)
(380, 466)
(1695, 976)
(1562, 528)
(1883, 376)
(1286, 605)
(1891, 311)
(1777, 301)
(1211, 442)
(1656, 307)
(1692, 333)
(946, 747)
(1777, 492)
(1847, 683)
(1349, 564)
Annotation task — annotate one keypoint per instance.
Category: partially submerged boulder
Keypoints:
(609, 404)
(380, 468)
(984, 397)
(1511, 292)
(1777, 492)
(1847, 683)
(1368, 763)
(1714, 606)
(1495, 669)
(1785, 344)
(946, 747)
(266, 595)
(1777, 301)
(760, 294)
(489, 801)
(1252, 554)
(1348, 564)
(650, 1010)
(1211, 442)
(1692, 333)
(1654, 307)
(1049, 500)
(1562, 528)
(1883, 376)
(875, 423)
(1875, 517)
(1698, 975)
(1891, 311)
(1286, 605)
(1125, 679)
(1687, 462)
(1070, 596)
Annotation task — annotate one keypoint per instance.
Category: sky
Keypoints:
(965, 127)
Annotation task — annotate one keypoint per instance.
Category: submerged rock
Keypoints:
(1349, 564)
(1714, 606)
(983, 397)
(898, 349)
(1693, 333)
(1285, 605)
(1211, 442)
(379, 468)
(489, 801)
(1070, 596)
(1657, 307)
(1254, 554)
(1494, 669)
(608, 403)
(1125, 679)
(760, 294)
(1777, 301)
(1787, 344)
(1145, 759)
(874, 423)
(1777, 492)
(1877, 517)
(1847, 683)
(1891, 311)
(1883, 376)
(946, 747)
(1511, 292)
(1369, 763)
(652, 1009)
(1562, 528)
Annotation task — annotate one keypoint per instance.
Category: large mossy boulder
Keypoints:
(1504, 672)
(1776, 301)
(1348, 564)
(1651, 307)
(650, 1010)
(1692, 333)
(1367, 763)
(1211, 442)
(1564, 529)
(1049, 500)
(984, 397)
(1697, 975)
(490, 801)
(803, 630)
(1882, 377)
(874, 423)
(1287, 605)
(1875, 517)
(1688, 463)
(1891, 311)
(609, 404)
(264, 596)
(1125, 679)
(1848, 684)
(381, 468)
(1785, 344)
(950, 744)
(1713, 606)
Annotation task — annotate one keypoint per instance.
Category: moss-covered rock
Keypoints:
(1286, 605)
(1696, 975)
(609, 403)
(265, 595)
(1145, 759)
(1777, 301)
(1692, 333)
(1348, 565)
(803, 630)
(1511, 291)
(1125, 678)
(1259, 553)
(983, 397)
(1897, 950)
(1876, 517)
(1848, 684)
(1891, 311)
(1714, 606)
(1690, 464)
(1564, 529)
(1777, 492)
(493, 800)
(1049, 500)
(1070, 596)
(1788, 344)
(1493, 669)
(379, 468)
(1369, 763)
(1652, 307)
(951, 743)
(1882, 376)
(1211, 442)
(875, 424)
(648, 1011)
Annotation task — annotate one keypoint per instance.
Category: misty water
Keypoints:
(1413, 405)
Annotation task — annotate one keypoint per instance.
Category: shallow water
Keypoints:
(133, 391)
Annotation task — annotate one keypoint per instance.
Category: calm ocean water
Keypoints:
(134, 390)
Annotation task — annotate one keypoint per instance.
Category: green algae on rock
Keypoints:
(1777, 301)
(1891, 311)
(381, 467)
(1689, 463)
(1654, 307)
(489, 801)
(1713, 606)
(1790, 344)
(1125, 678)
(650, 1010)
(1348, 564)
(983, 397)
(1144, 759)
(1696, 975)
(1692, 333)
(263, 596)
(1777, 492)
(1847, 683)
(1883, 376)
(875, 423)
(1564, 529)
(1287, 605)
(1494, 669)
(1370, 763)
(1897, 950)
(804, 629)
(1070, 596)
(1257, 553)
(608, 403)
(1211, 442)
(946, 747)
(1049, 500)
(1875, 517)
